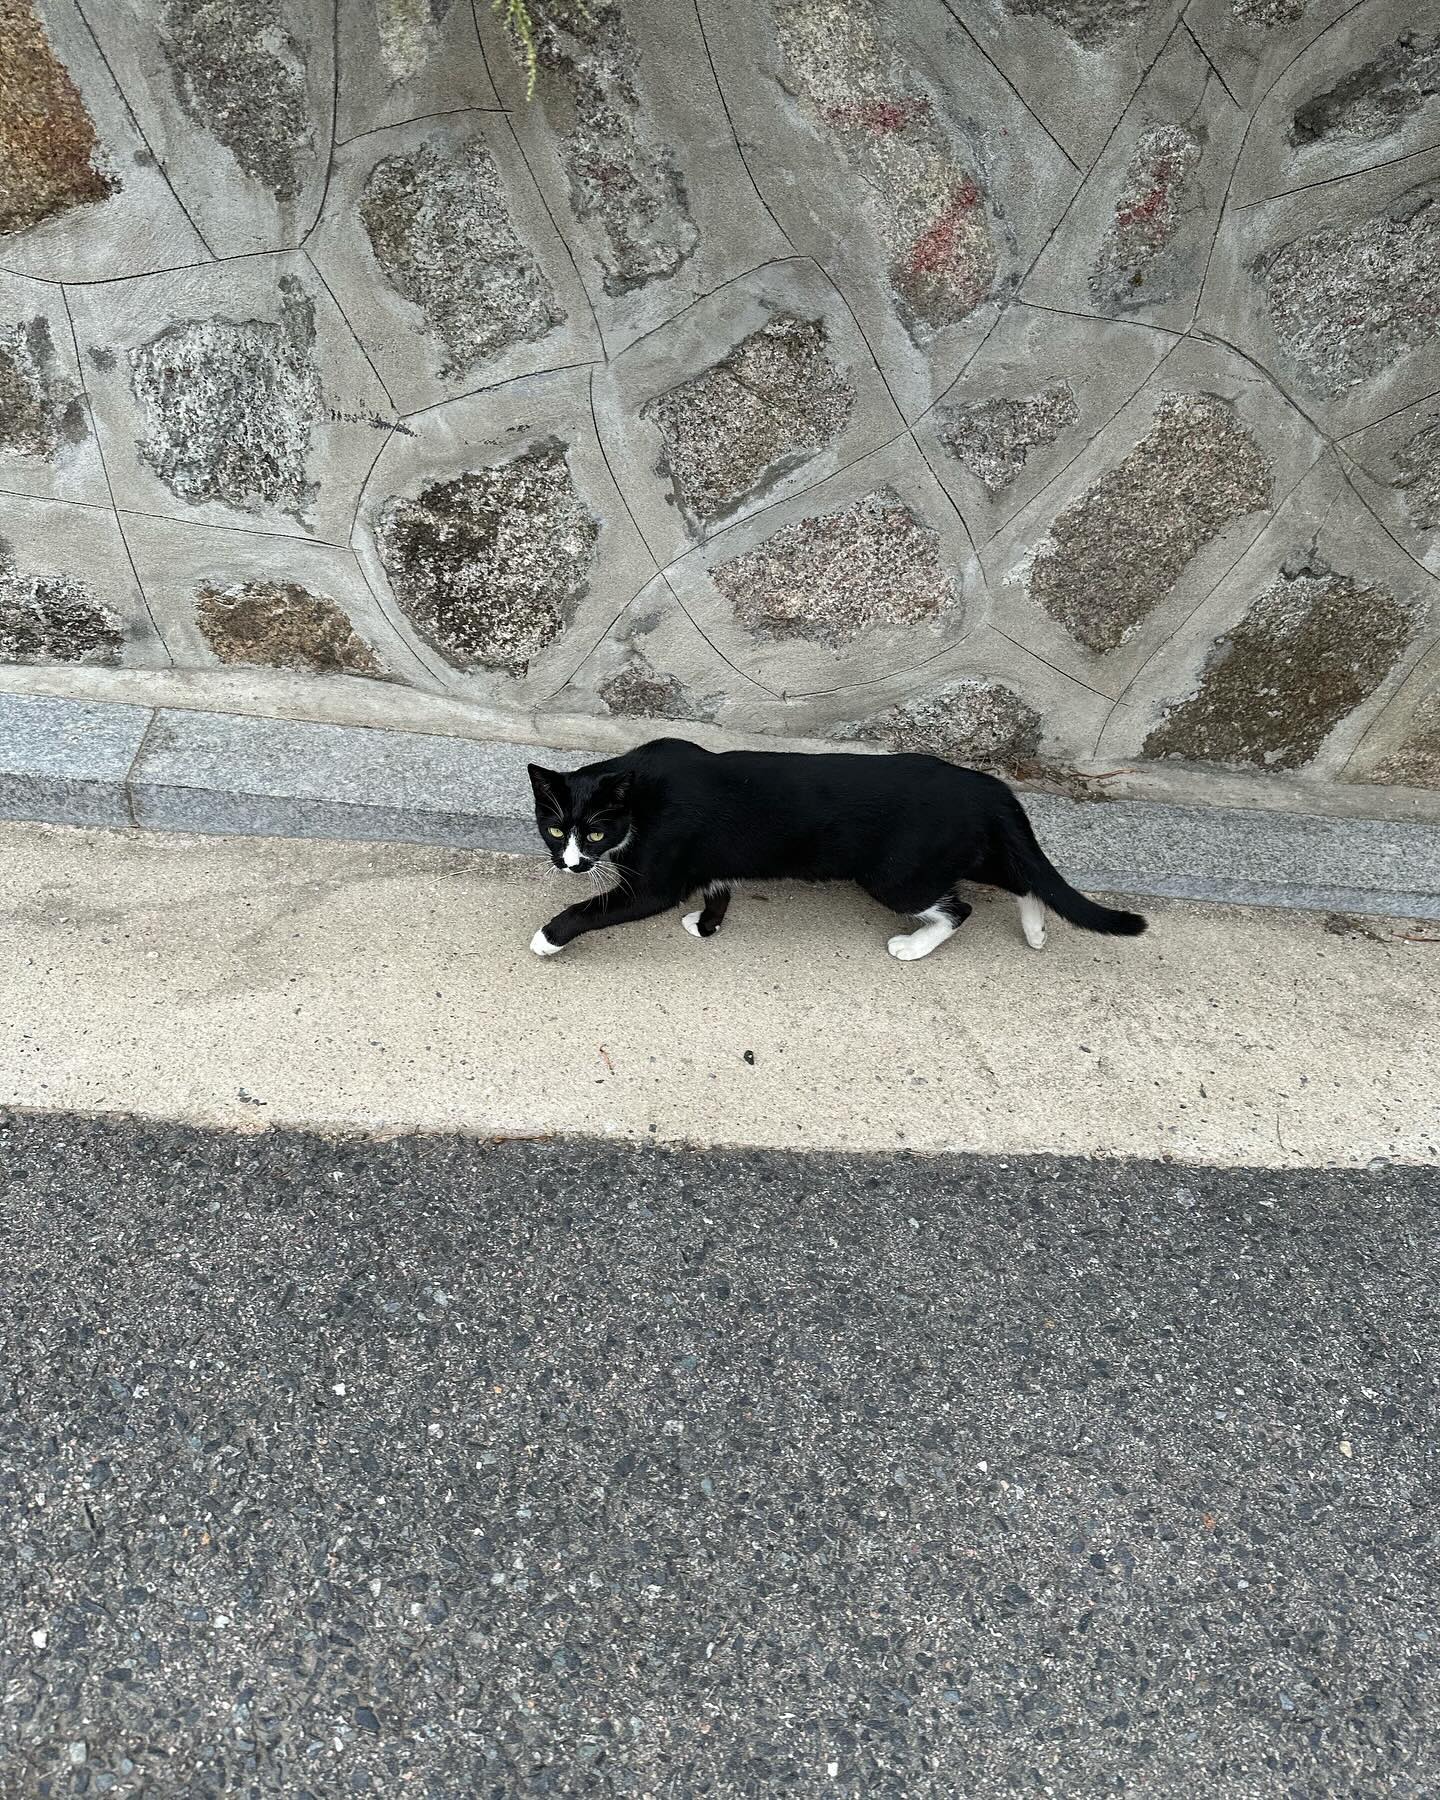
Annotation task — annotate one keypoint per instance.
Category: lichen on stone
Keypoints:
(490, 565)
(41, 409)
(229, 405)
(637, 691)
(1268, 13)
(832, 576)
(1114, 554)
(1157, 190)
(1417, 475)
(1415, 761)
(441, 231)
(1092, 23)
(50, 156)
(239, 74)
(408, 31)
(981, 724)
(1309, 651)
(1375, 100)
(1349, 301)
(620, 176)
(760, 412)
(919, 180)
(994, 437)
(53, 618)
(282, 625)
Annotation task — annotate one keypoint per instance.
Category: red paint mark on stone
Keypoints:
(1146, 208)
(878, 116)
(934, 250)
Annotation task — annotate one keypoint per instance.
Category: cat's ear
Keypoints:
(616, 789)
(549, 787)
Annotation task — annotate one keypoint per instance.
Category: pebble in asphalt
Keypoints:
(442, 1468)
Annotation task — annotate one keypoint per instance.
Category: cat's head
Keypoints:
(582, 818)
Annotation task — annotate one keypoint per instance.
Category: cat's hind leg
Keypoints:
(1032, 920)
(997, 871)
(711, 916)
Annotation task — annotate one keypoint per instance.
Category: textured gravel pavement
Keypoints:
(443, 1468)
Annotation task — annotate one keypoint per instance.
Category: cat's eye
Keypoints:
(594, 837)
(554, 831)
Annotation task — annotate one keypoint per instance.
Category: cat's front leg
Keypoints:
(593, 914)
(711, 917)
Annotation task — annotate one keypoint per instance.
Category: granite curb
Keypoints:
(74, 762)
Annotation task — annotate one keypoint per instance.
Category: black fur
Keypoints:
(675, 820)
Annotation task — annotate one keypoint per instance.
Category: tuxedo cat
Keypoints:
(671, 820)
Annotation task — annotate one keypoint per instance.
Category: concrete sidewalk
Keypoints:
(254, 982)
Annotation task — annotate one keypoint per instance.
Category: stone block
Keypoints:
(1106, 563)
(496, 531)
(406, 59)
(1041, 387)
(1295, 653)
(1366, 94)
(450, 268)
(232, 395)
(867, 573)
(1137, 239)
(236, 103)
(66, 762)
(891, 150)
(1243, 856)
(1336, 291)
(753, 394)
(81, 195)
(245, 599)
(629, 140)
(68, 594)
(47, 444)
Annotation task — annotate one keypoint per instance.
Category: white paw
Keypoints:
(905, 948)
(1036, 939)
(691, 922)
(542, 946)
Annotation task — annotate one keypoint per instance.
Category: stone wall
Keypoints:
(1054, 383)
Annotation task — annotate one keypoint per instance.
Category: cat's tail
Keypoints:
(1032, 866)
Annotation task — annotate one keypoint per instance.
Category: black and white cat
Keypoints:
(673, 820)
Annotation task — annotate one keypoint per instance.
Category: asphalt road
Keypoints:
(436, 1468)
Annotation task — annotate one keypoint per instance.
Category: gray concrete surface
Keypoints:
(386, 987)
(441, 1468)
(1116, 323)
